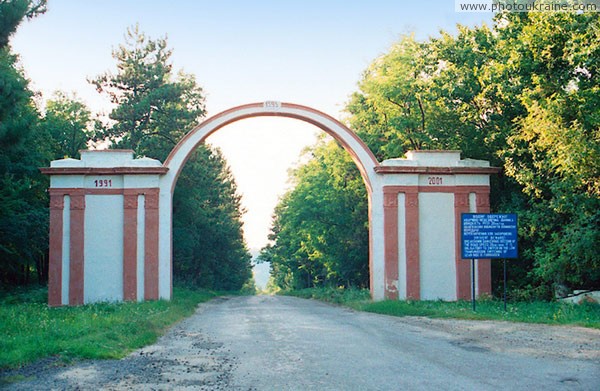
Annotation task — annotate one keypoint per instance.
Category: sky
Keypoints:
(310, 52)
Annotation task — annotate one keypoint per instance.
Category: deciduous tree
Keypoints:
(154, 110)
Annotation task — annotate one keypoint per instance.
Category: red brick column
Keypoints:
(151, 245)
(484, 266)
(463, 267)
(130, 213)
(57, 205)
(76, 254)
(390, 228)
(413, 267)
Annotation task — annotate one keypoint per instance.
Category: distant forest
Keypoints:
(523, 94)
(154, 107)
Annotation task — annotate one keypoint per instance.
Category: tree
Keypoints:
(319, 233)
(69, 125)
(13, 12)
(390, 112)
(23, 198)
(554, 152)
(523, 95)
(154, 110)
(208, 245)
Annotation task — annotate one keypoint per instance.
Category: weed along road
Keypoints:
(285, 343)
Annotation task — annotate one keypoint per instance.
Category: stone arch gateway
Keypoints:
(111, 217)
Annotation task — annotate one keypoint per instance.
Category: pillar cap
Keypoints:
(105, 162)
(435, 162)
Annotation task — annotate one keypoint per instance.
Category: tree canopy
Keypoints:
(23, 199)
(320, 229)
(154, 110)
(524, 95)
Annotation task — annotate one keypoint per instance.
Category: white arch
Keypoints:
(360, 153)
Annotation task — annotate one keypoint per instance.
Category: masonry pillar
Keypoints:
(76, 252)
(130, 244)
(106, 210)
(411, 244)
(424, 197)
(151, 246)
(484, 266)
(463, 267)
(390, 222)
(97, 228)
(55, 249)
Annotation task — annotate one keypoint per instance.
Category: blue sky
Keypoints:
(308, 52)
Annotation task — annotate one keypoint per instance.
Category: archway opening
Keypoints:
(359, 152)
(406, 198)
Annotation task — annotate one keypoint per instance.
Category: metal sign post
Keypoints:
(473, 283)
(504, 284)
(488, 236)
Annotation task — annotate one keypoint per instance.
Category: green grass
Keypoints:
(557, 313)
(347, 297)
(30, 330)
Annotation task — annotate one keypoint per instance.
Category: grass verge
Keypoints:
(586, 314)
(30, 330)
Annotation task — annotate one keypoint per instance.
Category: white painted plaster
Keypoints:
(68, 162)
(473, 180)
(145, 162)
(473, 163)
(103, 250)
(436, 246)
(363, 160)
(401, 246)
(399, 162)
(400, 179)
(377, 242)
(107, 158)
(164, 242)
(426, 158)
(434, 158)
(434, 180)
(141, 181)
(66, 181)
(66, 255)
(141, 232)
(98, 181)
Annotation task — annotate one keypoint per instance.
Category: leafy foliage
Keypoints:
(320, 233)
(13, 12)
(207, 230)
(23, 199)
(69, 125)
(524, 95)
(154, 111)
(554, 154)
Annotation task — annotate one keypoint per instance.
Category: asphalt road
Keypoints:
(290, 344)
(284, 343)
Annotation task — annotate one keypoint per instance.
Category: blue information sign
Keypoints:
(488, 235)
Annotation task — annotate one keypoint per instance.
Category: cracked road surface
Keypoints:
(285, 343)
